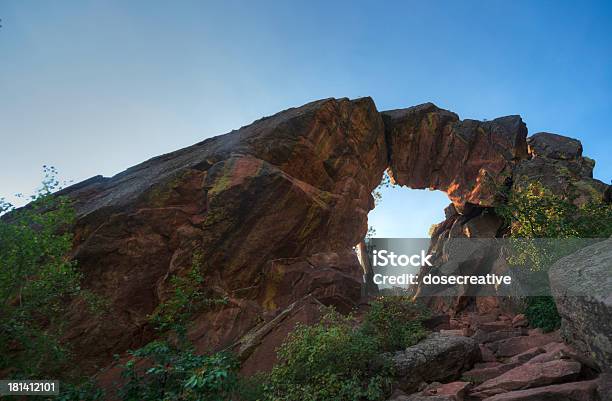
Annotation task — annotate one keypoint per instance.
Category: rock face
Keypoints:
(273, 210)
(257, 348)
(582, 286)
(554, 161)
(557, 163)
(517, 345)
(294, 185)
(430, 145)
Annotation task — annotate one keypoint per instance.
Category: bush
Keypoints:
(535, 212)
(542, 312)
(161, 371)
(396, 322)
(337, 359)
(331, 360)
(87, 391)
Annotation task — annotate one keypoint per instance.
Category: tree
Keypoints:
(36, 280)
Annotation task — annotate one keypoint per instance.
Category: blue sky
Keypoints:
(93, 87)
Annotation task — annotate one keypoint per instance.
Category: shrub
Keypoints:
(331, 360)
(542, 312)
(161, 371)
(87, 391)
(169, 369)
(395, 322)
(535, 212)
(337, 359)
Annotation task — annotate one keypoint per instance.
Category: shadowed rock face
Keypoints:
(295, 184)
(274, 209)
(582, 288)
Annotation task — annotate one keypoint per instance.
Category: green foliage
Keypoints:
(161, 371)
(535, 212)
(395, 322)
(170, 370)
(87, 391)
(337, 359)
(371, 232)
(331, 360)
(187, 297)
(36, 280)
(542, 312)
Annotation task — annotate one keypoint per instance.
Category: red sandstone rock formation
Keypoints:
(274, 209)
(469, 160)
(294, 185)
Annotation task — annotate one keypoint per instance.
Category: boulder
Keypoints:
(557, 163)
(581, 284)
(576, 391)
(486, 354)
(437, 323)
(554, 146)
(482, 374)
(529, 376)
(550, 352)
(529, 355)
(485, 225)
(493, 336)
(520, 321)
(497, 325)
(604, 387)
(439, 357)
(401, 396)
(421, 397)
(454, 391)
(517, 345)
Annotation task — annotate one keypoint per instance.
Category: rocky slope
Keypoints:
(274, 210)
(510, 363)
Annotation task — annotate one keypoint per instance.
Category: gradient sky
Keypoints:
(93, 87)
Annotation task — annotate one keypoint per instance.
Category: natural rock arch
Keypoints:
(274, 209)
